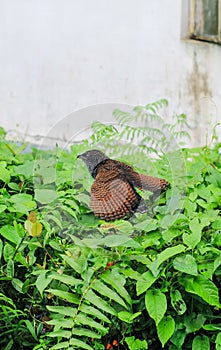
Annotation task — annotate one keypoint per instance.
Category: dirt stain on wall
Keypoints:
(198, 84)
(199, 93)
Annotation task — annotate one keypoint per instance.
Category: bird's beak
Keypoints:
(81, 156)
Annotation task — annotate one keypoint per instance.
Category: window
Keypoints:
(205, 20)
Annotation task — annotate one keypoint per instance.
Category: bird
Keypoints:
(113, 194)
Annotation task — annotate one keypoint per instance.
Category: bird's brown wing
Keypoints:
(142, 181)
(112, 197)
(149, 183)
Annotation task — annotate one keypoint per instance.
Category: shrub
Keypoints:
(69, 280)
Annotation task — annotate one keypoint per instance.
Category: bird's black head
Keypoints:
(92, 159)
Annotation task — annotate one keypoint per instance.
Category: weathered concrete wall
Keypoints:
(59, 56)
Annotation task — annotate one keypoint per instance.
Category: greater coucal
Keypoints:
(113, 195)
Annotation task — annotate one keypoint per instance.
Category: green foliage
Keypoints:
(71, 281)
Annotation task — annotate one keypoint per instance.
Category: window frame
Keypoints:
(203, 37)
(188, 24)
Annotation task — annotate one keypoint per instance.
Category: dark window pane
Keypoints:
(206, 18)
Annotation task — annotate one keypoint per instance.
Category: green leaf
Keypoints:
(177, 302)
(4, 173)
(2, 208)
(100, 303)
(66, 279)
(190, 208)
(203, 287)
(62, 333)
(85, 320)
(171, 233)
(42, 282)
(192, 239)
(168, 253)
(135, 344)
(141, 258)
(124, 227)
(22, 203)
(147, 225)
(90, 310)
(204, 192)
(70, 297)
(165, 255)
(48, 175)
(128, 316)
(202, 203)
(84, 332)
(212, 327)
(167, 221)
(62, 345)
(69, 211)
(9, 345)
(115, 240)
(201, 342)
(106, 291)
(26, 169)
(62, 310)
(153, 238)
(215, 178)
(10, 233)
(186, 263)
(8, 252)
(14, 186)
(2, 133)
(10, 270)
(61, 322)
(218, 341)
(55, 246)
(71, 261)
(117, 281)
(156, 304)
(165, 329)
(1, 248)
(193, 322)
(193, 195)
(45, 196)
(18, 285)
(31, 329)
(207, 269)
(129, 272)
(80, 344)
(145, 283)
(83, 198)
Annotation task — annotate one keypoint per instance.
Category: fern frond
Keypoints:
(182, 134)
(97, 301)
(84, 332)
(77, 343)
(117, 281)
(90, 310)
(102, 289)
(62, 310)
(86, 320)
(61, 345)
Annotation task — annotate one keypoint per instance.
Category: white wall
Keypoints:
(59, 56)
